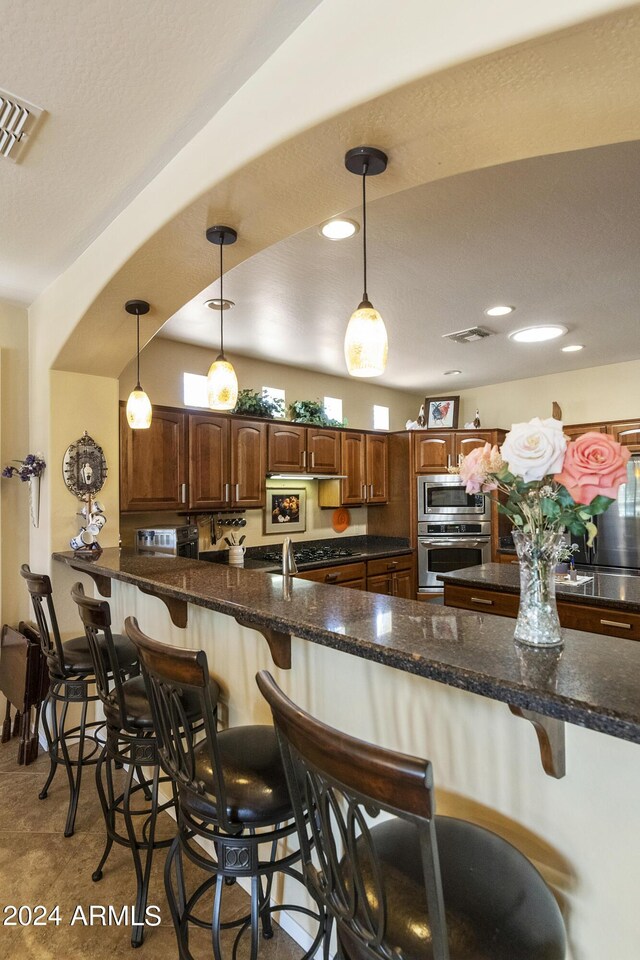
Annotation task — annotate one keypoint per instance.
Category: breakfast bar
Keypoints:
(431, 681)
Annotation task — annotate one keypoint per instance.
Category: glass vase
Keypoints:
(538, 553)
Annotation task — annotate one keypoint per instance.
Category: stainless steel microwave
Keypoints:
(443, 494)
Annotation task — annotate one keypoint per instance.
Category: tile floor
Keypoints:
(39, 866)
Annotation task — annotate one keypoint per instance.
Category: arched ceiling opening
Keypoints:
(568, 91)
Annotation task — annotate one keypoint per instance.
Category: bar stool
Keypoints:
(415, 885)
(232, 792)
(71, 673)
(131, 743)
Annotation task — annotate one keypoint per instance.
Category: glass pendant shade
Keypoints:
(138, 409)
(222, 385)
(365, 342)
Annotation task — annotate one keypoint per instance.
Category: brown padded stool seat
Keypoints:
(254, 778)
(78, 656)
(137, 707)
(497, 905)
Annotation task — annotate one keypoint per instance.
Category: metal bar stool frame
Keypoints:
(67, 686)
(132, 747)
(171, 673)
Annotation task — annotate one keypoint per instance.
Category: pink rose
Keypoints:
(475, 467)
(594, 465)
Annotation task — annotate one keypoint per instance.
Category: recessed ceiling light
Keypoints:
(573, 348)
(451, 373)
(215, 304)
(339, 229)
(499, 311)
(548, 331)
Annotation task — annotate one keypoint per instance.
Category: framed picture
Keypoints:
(286, 511)
(441, 413)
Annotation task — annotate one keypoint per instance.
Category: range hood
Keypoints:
(306, 476)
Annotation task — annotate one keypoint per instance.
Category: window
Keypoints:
(380, 418)
(195, 390)
(333, 408)
(274, 393)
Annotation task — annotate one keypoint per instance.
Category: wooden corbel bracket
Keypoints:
(279, 643)
(177, 608)
(102, 583)
(550, 733)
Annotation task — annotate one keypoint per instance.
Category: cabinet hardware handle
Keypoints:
(331, 577)
(394, 592)
(448, 460)
(183, 493)
(487, 603)
(313, 459)
(237, 492)
(226, 492)
(370, 491)
(364, 491)
(616, 623)
(304, 459)
(392, 566)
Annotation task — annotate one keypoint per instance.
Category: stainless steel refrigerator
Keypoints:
(617, 545)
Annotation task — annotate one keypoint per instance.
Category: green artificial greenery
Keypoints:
(311, 411)
(253, 404)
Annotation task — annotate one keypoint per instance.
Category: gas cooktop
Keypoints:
(304, 554)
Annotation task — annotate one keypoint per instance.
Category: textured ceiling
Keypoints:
(124, 85)
(557, 237)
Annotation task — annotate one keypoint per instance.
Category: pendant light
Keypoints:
(365, 342)
(222, 382)
(139, 409)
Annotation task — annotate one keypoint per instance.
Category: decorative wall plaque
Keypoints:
(84, 468)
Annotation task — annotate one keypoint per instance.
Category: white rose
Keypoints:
(534, 449)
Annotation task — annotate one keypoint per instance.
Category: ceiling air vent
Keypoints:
(18, 120)
(468, 336)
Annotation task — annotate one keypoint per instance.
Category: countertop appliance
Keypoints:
(165, 540)
(307, 555)
(616, 548)
(442, 496)
(449, 544)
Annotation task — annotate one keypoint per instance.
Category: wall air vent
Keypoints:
(468, 336)
(18, 120)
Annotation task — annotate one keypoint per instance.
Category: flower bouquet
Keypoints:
(29, 470)
(549, 485)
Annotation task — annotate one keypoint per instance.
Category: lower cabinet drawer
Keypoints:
(612, 623)
(343, 574)
(388, 565)
(489, 601)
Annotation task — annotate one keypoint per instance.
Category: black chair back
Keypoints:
(96, 619)
(172, 675)
(338, 785)
(39, 587)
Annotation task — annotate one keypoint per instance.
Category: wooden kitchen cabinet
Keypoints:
(153, 462)
(365, 461)
(628, 434)
(227, 462)
(297, 449)
(392, 576)
(464, 443)
(576, 430)
(342, 575)
(432, 451)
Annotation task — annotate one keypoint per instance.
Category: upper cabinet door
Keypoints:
(576, 431)
(432, 452)
(323, 451)
(248, 463)
(287, 448)
(628, 434)
(208, 461)
(353, 464)
(153, 469)
(464, 443)
(377, 468)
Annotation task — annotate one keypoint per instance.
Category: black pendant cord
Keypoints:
(221, 305)
(138, 387)
(365, 167)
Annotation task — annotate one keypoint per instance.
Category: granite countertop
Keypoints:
(590, 682)
(363, 548)
(611, 590)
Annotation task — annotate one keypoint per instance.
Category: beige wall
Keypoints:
(163, 362)
(611, 392)
(14, 445)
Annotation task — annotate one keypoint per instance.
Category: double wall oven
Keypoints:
(454, 528)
